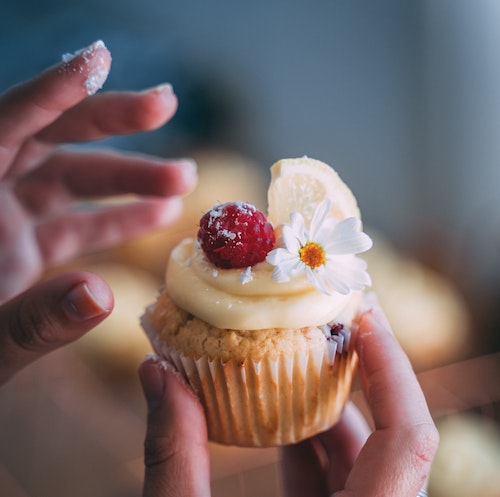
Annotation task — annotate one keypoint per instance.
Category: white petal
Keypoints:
(335, 282)
(293, 266)
(279, 276)
(317, 279)
(276, 256)
(298, 226)
(349, 271)
(346, 238)
(321, 212)
(290, 239)
(285, 264)
(327, 233)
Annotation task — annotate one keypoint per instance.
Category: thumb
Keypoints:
(176, 445)
(48, 316)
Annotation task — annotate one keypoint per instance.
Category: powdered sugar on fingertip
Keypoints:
(93, 62)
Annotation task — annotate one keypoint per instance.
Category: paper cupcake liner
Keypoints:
(275, 401)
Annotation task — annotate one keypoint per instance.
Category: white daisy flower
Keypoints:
(326, 252)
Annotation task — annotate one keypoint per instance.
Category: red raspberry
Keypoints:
(235, 235)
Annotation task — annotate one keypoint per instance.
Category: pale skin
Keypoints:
(39, 228)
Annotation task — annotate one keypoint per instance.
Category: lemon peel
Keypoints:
(301, 184)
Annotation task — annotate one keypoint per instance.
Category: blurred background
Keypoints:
(401, 98)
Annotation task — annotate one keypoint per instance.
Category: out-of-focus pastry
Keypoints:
(468, 459)
(117, 346)
(427, 313)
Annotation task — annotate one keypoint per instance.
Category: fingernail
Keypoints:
(371, 307)
(94, 63)
(151, 374)
(81, 304)
(189, 171)
(85, 51)
(381, 320)
(164, 89)
(189, 165)
(369, 301)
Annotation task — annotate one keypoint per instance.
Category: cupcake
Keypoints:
(258, 313)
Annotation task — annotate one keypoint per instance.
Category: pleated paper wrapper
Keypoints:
(271, 402)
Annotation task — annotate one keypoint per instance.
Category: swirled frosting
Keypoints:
(248, 299)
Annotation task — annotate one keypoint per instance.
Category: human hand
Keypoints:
(394, 460)
(42, 184)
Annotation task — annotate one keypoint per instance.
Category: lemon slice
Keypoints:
(303, 183)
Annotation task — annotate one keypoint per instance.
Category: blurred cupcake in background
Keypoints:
(429, 316)
(116, 347)
(468, 459)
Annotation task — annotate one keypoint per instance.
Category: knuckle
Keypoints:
(31, 327)
(158, 451)
(423, 441)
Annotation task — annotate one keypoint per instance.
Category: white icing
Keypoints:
(260, 303)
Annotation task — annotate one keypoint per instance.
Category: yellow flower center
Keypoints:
(312, 254)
